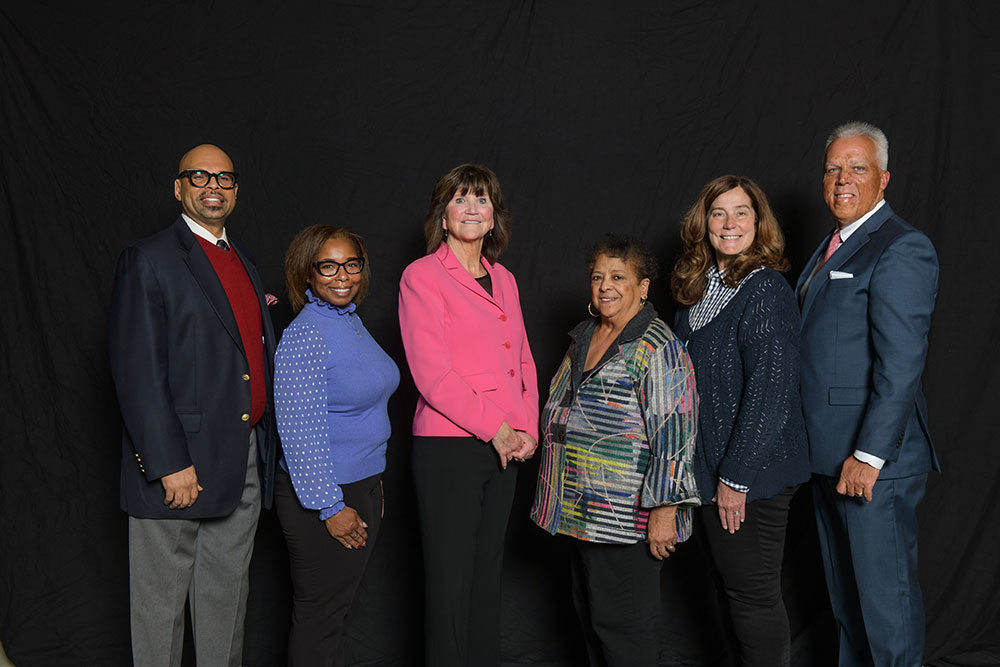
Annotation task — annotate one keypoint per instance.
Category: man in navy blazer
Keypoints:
(867, 295)
(192, 349)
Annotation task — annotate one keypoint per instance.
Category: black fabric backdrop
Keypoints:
(596, 116)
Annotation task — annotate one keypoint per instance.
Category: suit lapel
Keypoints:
(844, 253)
(462, 277)
(806, 278)
(258, 288)
(204, 274)
(811, 264)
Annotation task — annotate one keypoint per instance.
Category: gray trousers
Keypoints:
(203, 561)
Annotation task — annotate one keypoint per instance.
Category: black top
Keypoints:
(487, 283)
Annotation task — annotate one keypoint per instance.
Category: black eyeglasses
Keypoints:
(330, 268)
(200, 178)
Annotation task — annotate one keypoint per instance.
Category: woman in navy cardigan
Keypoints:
(741, 326)
(331, 386)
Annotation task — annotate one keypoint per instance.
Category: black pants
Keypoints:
(325, 574)
(616, 592)
(464, 499)
(749, 563)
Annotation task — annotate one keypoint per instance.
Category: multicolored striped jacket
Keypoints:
(619, 440)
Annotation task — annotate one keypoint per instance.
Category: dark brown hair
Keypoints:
(627, 249)
(302, 253)
(687, 282)
(466, 178)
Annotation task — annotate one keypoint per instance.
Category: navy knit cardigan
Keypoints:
(746, 364)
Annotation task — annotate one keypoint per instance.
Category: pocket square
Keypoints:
(840, 275)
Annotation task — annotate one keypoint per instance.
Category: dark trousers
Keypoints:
(325, 574)
(870, 558)
(616, 592)
(464, 499)
(749, 564)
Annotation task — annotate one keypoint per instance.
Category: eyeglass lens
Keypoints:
(199, 178)
(329, 268)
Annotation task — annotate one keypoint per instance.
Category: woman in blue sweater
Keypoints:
(741, 326)
(332, 382)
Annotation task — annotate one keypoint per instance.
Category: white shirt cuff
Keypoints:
(870, 459)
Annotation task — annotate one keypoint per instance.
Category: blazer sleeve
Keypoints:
(300, 404)
(139, 355)
(902, 292)
(422, 325)
(529, 375)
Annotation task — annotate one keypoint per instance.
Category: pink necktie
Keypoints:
(831, 248)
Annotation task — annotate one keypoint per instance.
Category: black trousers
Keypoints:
(325, 574)
(749, 564)
(464, 499)
(616, 592)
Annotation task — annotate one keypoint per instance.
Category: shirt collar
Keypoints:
(714, 275)
(582, 333)
(204, 233)
(635, 327)
(326, 305)
(846, 232)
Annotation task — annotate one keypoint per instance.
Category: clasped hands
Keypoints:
(511, 444)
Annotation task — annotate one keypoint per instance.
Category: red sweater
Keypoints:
(246, 308)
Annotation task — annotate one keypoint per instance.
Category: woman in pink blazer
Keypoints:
(478, 410)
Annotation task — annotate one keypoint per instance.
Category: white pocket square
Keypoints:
(840, 275)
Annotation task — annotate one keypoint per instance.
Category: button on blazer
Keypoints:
(182, 377)
(467, 350)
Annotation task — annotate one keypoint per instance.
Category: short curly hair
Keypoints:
(629, 250)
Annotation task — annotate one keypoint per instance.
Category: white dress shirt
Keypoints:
(204, 233)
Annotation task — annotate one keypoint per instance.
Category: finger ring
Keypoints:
(860, 494)
(736, 513)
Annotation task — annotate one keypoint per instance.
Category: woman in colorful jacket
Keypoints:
(618, 440)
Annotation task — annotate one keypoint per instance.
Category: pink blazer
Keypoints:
(467, 351)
